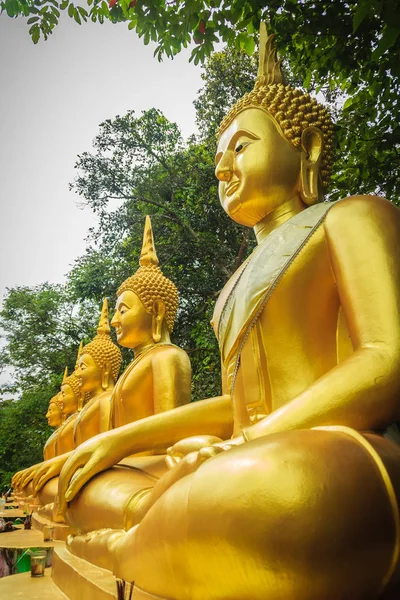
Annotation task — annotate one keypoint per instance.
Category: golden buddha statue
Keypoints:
(54, 418)
(71, 399)
(158, 379)
(96, 369)
(62, 440)
(303, 502)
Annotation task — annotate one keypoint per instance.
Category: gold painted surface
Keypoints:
(98, 368)
(40, 523)
(79, 580)
(157, 380)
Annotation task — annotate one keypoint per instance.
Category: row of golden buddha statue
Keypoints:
(286, 487)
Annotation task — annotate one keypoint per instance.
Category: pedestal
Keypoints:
(61, 530)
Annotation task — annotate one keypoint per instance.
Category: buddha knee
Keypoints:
(295, 504)
(48, 492)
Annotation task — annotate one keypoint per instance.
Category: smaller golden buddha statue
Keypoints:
(159, 376)
(71, 400)
(54, 418)
(157, 380)
(97, 370)
(62, 440)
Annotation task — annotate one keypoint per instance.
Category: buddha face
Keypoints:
(69, 400)
(53, 415)
(257, 168)
(133, 324)
(89, 373)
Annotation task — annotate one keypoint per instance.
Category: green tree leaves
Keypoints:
(42, 330)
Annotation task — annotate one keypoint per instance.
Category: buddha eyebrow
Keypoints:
(234, 139)
(241, 133)
(121, 305)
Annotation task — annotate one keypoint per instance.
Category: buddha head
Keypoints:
(99, 361)
(70, 394)
(274, 146)
(147, 302)
(54, 414)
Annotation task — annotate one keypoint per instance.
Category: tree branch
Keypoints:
(172, 214)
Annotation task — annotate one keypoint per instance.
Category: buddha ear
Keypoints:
(106, 374)
(157, 321)
(312, 144)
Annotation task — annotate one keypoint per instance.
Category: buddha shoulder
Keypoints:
(371, 218)
(169, 355)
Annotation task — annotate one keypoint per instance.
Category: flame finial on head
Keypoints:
(79, 354)
(269, 67)
(104, 325)
(148, 256)
(73, 381)
(102, 349)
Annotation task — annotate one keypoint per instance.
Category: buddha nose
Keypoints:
(224, 169)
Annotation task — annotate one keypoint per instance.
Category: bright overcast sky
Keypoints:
(52, 98)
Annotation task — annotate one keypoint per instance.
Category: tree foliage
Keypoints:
(23, 430)
(42, 329)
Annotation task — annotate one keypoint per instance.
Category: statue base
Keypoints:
(77, 579)
(61, 530)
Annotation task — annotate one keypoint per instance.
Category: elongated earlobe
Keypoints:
(310, 187)
(157, 321)
(105, 376)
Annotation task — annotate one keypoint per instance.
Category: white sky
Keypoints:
(52, 98)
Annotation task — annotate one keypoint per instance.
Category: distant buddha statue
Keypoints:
(62, 440)
(71, 400)
(96, 371)
(54, 418)
(157, 380)
(303, 502)
(159, 377)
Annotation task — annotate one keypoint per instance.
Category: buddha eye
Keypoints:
(240, 147)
